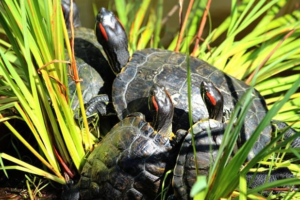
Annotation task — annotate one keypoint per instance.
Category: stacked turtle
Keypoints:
(130, 161)
(149, 66)
(93, 68)
(208, 135)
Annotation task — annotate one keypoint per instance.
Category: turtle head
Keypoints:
(213, 100)
(111, 35)
(65, 5)
(162, 108)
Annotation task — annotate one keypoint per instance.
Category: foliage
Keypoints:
(33, 82)
(241, 47)
(266, 51)
(33, 78)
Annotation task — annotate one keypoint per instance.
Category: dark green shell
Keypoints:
(92, 67)
(91, 83)
(167, 68)
(184, 175)
(129, 163)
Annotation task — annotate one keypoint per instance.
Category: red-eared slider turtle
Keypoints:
(132, 158)
(207, 144)
(92, 65)
(149, 66)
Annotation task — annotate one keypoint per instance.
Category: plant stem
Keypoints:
(183, 25)
(268, 57)
(200, 31)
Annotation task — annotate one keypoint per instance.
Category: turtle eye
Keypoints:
(154, 103)
(103, 32)
(212, 100)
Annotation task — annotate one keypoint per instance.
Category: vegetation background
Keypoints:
(219, 10)
(29, 77)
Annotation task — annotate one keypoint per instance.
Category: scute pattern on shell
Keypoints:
(92, 66)
(90, 85)
(149, 66)
(207, 150)
(127, 164)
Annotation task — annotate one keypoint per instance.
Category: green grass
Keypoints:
(28, 84)
(33, 74)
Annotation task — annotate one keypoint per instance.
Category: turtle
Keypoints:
(136, 75)
(131, 160)
(93, 68)
(98, 165)
(208, 136)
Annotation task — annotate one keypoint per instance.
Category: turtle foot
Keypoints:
(226, 114)
(98, 105)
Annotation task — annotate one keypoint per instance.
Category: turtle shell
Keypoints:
(92, 67)
(184, 175)
(149, 66)
(129, 163)
(207, 147)
(91, 83)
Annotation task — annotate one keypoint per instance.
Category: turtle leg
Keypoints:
(226, 114)
(184, 175)
(179, 136)
(212, 129)
(97, 105)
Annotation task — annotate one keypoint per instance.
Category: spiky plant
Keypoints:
(33, 78)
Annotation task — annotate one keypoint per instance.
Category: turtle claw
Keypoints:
(226, 114)
(98, 105)
(179, 137)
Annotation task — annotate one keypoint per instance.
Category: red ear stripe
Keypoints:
(154, 103)
(169, 97)
(211, 98)
(103, 31)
